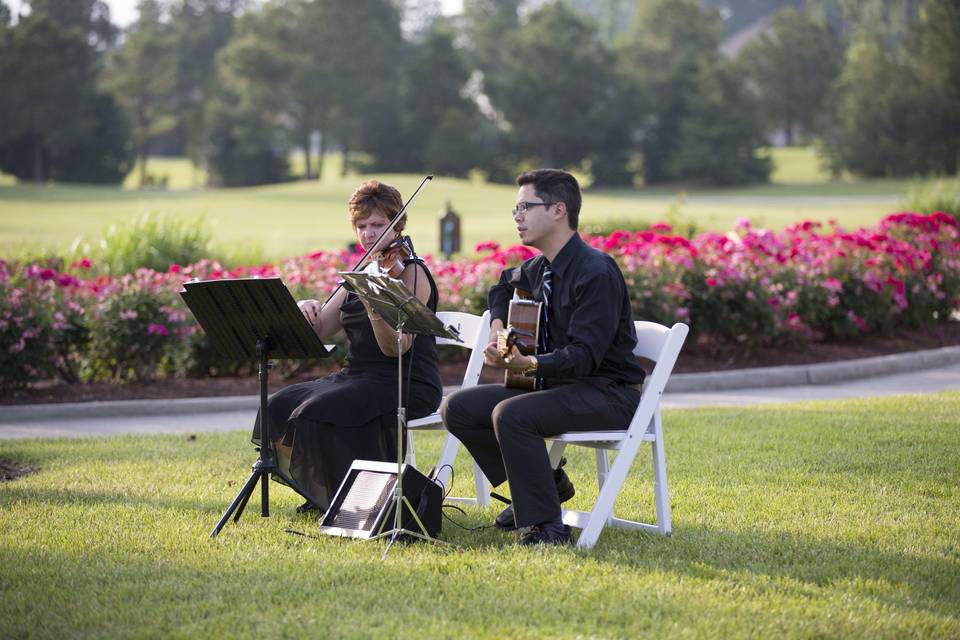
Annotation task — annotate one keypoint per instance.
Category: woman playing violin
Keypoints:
(322, 426)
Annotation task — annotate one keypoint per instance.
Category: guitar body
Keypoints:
(523, 328)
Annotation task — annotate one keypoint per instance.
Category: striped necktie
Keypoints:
(543, 344)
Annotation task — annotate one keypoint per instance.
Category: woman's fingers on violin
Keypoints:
(310, 310)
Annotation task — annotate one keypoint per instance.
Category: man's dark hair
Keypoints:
(555, 185)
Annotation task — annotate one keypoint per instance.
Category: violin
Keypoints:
(392, 257)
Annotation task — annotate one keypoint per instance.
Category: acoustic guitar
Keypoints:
(523, 329)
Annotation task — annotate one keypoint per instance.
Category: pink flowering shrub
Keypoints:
(806, 282)
(137, 329)
(42, 327)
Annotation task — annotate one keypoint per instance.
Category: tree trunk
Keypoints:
(306, 154)
(788, 134)
(322, 147)
(142, 161)
(346, 161)
(38, 161)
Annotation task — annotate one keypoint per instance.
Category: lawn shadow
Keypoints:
(707, 553)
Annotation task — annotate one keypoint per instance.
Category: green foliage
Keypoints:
(896, 106)
(202, 28)
(48, 68)
(717, 141)
(942, 195)
(441, 125)
(487, 25)
(243, 148)
(41, 332)
(129, 334)
(675, 219)
(152, 241)
(692, 117)
(142, 76)
(792, 69)
(873, 113)
(815, 519)
(445, 153)
(556, 82)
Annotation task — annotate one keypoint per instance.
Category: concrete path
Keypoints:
(920, 372)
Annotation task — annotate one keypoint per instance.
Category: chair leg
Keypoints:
(481, 485)
(556, 452)
(660, 480)
(603, 470)
(411, 454)
(447, 457)
(603, 507)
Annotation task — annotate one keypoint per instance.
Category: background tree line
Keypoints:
(624, 91)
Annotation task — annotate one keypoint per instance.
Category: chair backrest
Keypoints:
(650, 339)
(475, 333)
(662, 345)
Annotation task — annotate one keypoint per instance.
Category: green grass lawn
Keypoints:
(282, 220)
(826, 519)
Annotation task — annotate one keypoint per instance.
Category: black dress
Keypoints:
(325, 424)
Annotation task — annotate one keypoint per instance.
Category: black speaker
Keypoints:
(363, 505)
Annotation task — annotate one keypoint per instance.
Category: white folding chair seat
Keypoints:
(475, 333)
(662, 345)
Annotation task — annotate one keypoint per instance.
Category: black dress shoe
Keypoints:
(546, 533)
(307, 507)
(506, 522)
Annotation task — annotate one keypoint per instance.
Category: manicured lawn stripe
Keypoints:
(813, 519)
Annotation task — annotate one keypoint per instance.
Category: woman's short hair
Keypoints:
(372, 197)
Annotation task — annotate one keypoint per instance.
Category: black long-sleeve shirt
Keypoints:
(591, 323)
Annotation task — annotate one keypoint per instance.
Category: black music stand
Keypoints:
(405, 313)
(247, 318)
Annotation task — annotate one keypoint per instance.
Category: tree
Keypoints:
(871, 113)
(487, 25)
(247, 138)
(92, 17)
(46, 71)
(895, 106)
(691, 114)
(371, 58)
(141, 75)
(555, 90)
(792, 69)
(439, 121)
(244, 146)
(718, 139)
(933, 49)
(201, 28)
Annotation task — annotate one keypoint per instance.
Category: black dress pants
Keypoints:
(503, 429)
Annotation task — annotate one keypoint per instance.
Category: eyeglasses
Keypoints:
(523, 206)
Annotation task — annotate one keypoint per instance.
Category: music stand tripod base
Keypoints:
(246, 318)
(265, 466)
(402, 310)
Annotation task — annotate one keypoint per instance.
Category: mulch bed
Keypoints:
(695, 357)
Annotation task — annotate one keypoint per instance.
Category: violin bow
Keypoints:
(390, 227)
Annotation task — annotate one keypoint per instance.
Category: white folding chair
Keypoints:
(662, 345)
(475, 333)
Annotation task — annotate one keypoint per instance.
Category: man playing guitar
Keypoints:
(586, 377)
